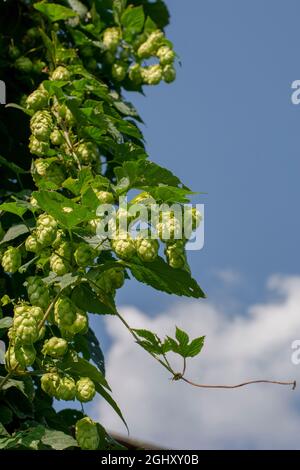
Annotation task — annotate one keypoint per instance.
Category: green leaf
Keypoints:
(64, 210)
(150, 26)
(111, 402)
(12, 383)
(182, 337)
(161, 276)
(14, 232)
(65, 281)
(89, 345)
(14, 208)
(58, 440)
(82, 368)
(55, 12)
(142, 173)
(6, 415)
(3, 431)
(85, 298)
(132, 21)
(169, 194)
(5, 323)
(118, 8)
(195, 347)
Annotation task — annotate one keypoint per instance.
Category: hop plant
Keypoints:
(166, 55)
(38, 293)
(169, 74)
(55, 347)
(147, 249)
(41, 125)
(25, 354)
(36, 312)
(50, 383)
(87, 152)
(87, 434)
(11, 260)
(135, 74)
(84, 255)
(11, 363)
(61, 73)
(85, 389)
(23, 64)
(37, 100)
(26, 329)
(150, 46)
(152, 75)
(105, 197)
(110, 280)
(124, 247)
(58, 265)
(56, 137)
(119, 71)
(64, 312)
(175, 255)
(80, 325)
(37, 147)
(66, 389)
(46, 229)
(111, 38)
(31, 244)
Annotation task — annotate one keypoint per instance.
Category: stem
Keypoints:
(41, 324)
(165, 365)
(243, 384)
(184, 366)
(6, 379)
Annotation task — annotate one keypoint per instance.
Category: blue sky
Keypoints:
(227, 127)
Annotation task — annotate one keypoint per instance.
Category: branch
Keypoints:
(243, 384)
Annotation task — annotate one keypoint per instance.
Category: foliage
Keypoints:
(69, 142)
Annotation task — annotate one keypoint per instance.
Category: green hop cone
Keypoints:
(23, 64)
(64, 114)
(41, 125)
(111, 38)
(11, 260)
(50, 383)
(116, 277)
(85, 389)
(66, 389)
(169, 74)
(61, 73)
(38, 293)
(25, 355)
(31, 244)
(87, 434)
(58, 265)
(64, 312)
(59, 239)
(14, 52)
(80, 325)
(150, 46)
(147, 249)
(55, 347)
(56, 137)
(37, 147)
(124, 247)
(135, 74)
(26, 329)
(119, 71)
(46, 229)
(34, 202)
(21, 309)
(170, 229)
(196, 218)
(87, 152)
(175, 255)
(11, 363)
(105, 197)
(84, 255)
(166, 55)
(37, 313)
(152, 75)
(37, 100)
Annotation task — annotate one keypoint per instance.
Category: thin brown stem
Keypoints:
(243, 384)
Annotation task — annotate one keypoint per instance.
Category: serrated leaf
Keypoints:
(12, 166)
(89, 345)
(195, 347)
(58, 440)
(169, 194)
(142, 173)
(6, 415)
(107, 397)
(146, 334)
(14, 208)
(66, 280)
(182, 337)
(3, 431)
(132, 21)
(54, 11)
(5, 323)
(85, 298)
(161, 276)
(118, 9)
(14, 232)
(64, 210)
(12, 383)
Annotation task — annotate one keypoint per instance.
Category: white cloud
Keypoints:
(229, 276)
(176, 415)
